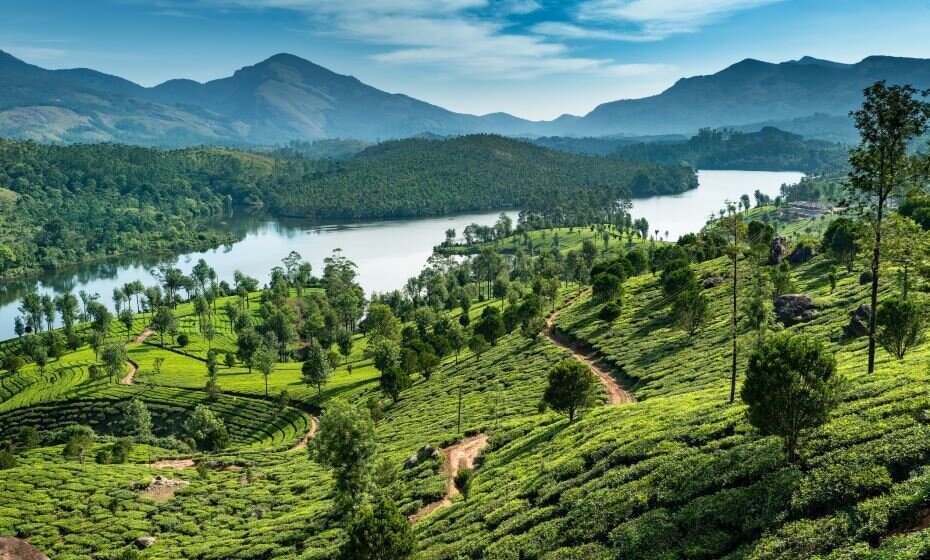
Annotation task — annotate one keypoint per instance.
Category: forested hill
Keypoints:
(418, 177)
(66, 204)
(769, 149)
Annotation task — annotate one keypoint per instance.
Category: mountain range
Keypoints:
(286, 98)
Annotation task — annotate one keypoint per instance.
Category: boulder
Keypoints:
(858, 322)
(712, 281)
(779, 250)
(794, 308)
(18, 549)
(145, 542)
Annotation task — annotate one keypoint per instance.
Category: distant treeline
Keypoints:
(769, 149)
(67, 204)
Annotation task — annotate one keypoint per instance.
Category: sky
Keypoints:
(536, 59)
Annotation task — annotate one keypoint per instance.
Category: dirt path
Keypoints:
(462, 454)
(615, 393)
(172, 464)
(314, 421)
(133, 366)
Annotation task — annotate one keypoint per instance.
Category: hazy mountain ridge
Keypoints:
(288, 98)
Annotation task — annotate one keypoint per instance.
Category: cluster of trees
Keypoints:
(767, 150)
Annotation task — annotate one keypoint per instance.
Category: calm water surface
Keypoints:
(386, 252)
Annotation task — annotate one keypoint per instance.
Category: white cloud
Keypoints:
(657, 19)
(447, 35)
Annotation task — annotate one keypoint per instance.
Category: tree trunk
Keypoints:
(733, 372)
(876, 259)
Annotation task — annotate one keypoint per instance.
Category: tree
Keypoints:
(491, 325)
(890, 117)
(734, 231)
(791, 385)
(379, 532)
(478, 345)
(316, 368)
(572, 386)
(606, 287)
(841, 241)
(137, 420)
(114, 359)
(264, 361)
(901, 325)
(758, 307)
(164, 322)
(79, 445)
(690, 310)
(345, 342)
(394, 381)
(906, 247)
(385, 354)
(247, 343)
(781, 279)
(428, 361)
(207, 429)
(345, 443)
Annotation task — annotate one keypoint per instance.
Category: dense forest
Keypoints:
(420, 177)
(66, 204)
(769, 149)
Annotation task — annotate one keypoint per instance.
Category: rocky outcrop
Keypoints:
(779, 250)
(792, 309)
(18, 549)
(712, 281)
(425, 452)
(858, 322)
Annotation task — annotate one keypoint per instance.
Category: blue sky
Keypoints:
(532, 58)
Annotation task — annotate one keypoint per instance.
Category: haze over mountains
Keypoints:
(288, 98)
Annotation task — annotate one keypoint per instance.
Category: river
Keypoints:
(386, 252)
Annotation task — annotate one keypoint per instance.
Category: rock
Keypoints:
(145, 542)
(712, 281)
(412, 461)
(794, 308)
(802, 253)
(778, 251)
(858, 322)
(258, 513)
(18, 549)
(865, 277)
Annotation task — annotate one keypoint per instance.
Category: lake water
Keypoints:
(386, 252)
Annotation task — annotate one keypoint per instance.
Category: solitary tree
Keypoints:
(571, 387)
(316, 368)
(901, 325)
(379, 532)
(207, 429)
(394, 381)
(841, 241)
(264, 361)
(346, 444)
(890, 117)
(791, 386)
(164, 322)
(690, 310)
(137, 420)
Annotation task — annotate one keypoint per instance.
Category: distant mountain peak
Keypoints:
(813, 61)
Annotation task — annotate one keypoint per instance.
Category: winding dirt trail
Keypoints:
(459, 455)
(314, 422)
(615, 393)
(133, 366)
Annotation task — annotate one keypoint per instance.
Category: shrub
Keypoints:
(609, 312)
(901, 325)
(463, 480)
(7, 460)
(183, 340)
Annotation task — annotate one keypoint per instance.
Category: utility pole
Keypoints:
(459, 430)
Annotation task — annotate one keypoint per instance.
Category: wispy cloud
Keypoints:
(652, 20)
(476, 38)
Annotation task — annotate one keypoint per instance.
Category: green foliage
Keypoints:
(394, 381)
(841, 241)
(571, 387)
(208, 430)
(491, 326)
(901, 324)
(7, 460)
(606, 287)
(610, 311)
(690, 310)
(463, 481)
(346, 444)
(791, 386)
(379, 532)
(137, 420)
(316, 367)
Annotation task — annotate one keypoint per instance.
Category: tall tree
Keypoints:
(734, 231)
(316, 368)
(346, 444)
(572, 386)
(890, 117)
